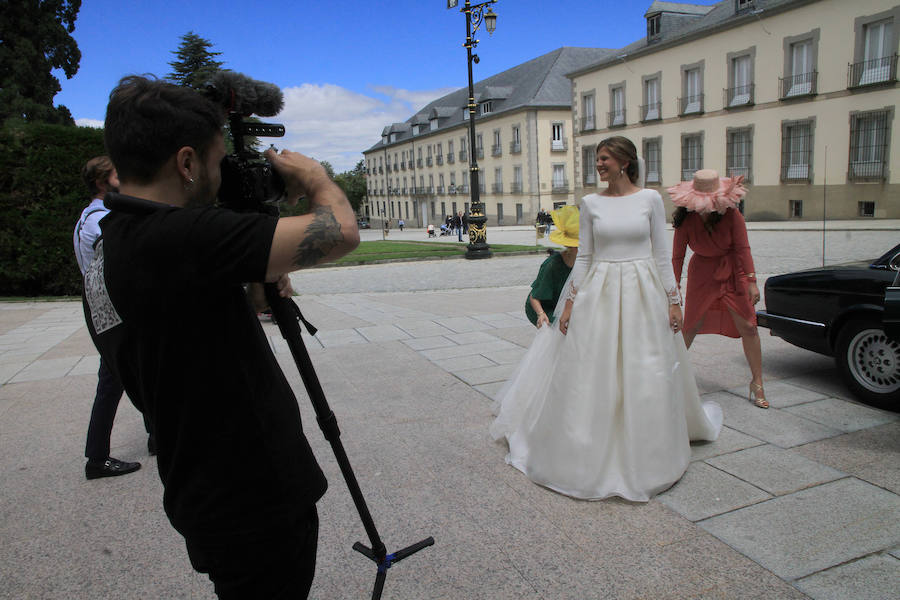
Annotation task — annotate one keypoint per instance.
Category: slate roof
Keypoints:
(537, 83)
(691, 25)
(677, 7)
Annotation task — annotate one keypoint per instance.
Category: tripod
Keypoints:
(288, 317)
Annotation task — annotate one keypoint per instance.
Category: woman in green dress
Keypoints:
(555, 270)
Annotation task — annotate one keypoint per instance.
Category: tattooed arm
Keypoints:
(326, 233)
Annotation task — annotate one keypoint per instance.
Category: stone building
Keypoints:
(419, 170)
(799, 96)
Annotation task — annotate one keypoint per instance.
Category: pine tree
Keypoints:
(195, 62)
(34, 40)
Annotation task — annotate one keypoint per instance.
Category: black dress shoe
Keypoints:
(111, 467)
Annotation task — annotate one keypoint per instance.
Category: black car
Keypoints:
(839, 311)
(362, 224)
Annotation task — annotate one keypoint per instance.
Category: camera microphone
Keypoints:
(244, 96)
(249, 182)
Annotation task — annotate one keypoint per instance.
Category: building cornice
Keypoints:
(732, 23)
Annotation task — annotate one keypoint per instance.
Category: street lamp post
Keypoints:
(475, 15)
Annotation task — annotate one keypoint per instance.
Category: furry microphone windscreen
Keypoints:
(243, 95)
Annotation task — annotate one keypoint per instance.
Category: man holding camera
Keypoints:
(166, 307)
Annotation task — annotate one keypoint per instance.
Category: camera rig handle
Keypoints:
(288, 317)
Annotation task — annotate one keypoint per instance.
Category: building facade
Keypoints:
(799, 96)
(419, 171)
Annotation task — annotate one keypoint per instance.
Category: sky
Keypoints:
(347, 68)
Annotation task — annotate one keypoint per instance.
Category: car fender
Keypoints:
(848, 313)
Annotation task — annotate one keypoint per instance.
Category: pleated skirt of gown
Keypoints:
(610, 408)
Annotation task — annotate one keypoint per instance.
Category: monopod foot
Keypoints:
(389, 560)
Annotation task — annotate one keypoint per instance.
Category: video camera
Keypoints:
(249, 183)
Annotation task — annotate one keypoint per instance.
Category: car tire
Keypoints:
(869, 362)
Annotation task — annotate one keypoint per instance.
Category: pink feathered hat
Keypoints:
(708, 192)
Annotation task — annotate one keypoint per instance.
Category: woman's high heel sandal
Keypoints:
(756, 395)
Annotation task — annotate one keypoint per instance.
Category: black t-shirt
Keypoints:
(166, 308)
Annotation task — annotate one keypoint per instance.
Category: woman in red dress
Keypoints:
(721, 284)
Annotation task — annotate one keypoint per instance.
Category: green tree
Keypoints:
(34, 40)
(302, 207)
(353, 183)
(328, 168)
(194, 61)
(41, 196)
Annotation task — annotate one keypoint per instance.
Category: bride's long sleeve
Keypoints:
(660, 246)
(585, 251)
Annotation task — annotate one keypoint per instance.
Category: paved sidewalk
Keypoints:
(794, 502)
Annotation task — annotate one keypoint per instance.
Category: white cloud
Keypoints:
(417, 99)
(89, 123)
(332, 123)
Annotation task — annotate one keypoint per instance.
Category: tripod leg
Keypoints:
(285, 312)
(287, 315)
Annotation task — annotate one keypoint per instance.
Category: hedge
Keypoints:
(41, 198)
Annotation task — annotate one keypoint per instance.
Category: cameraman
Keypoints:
(166, 307)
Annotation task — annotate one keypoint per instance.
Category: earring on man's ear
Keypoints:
(189, 184)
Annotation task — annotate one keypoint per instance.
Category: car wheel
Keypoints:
(869, 362)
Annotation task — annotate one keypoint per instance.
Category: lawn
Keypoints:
(380, 250)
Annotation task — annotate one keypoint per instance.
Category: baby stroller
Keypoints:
(445, 230)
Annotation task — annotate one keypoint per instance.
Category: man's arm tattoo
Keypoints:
(322, 236)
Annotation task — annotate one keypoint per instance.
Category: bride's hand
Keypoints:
(675, 318)
(564, 318)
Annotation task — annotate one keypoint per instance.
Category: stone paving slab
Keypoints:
(875, 577)
(870, 455)
(466, 349)
(421, 328)
(842, 415)
(464, 363)
(729, 440)
(52, 368)
(490, 389)
(499, 320)
(505, 356)
(781, 394)
(429, 343)
(775, 470)
(486, 374)
(382, 333)
(87, 365)
(829, 384)
(705, 491)
(772, 425)
(814, 529)
(463, 324)
(340, 337)
(474, 337)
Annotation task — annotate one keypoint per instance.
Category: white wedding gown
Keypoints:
(610, 408)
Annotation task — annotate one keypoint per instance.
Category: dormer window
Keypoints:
(433, 123)
(487, 107)
(393, 137)
(415, 130)
(653, 22)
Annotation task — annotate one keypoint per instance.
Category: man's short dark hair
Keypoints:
(97, 169)
(148, 120)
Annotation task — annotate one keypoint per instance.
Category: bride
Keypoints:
(604, 402)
